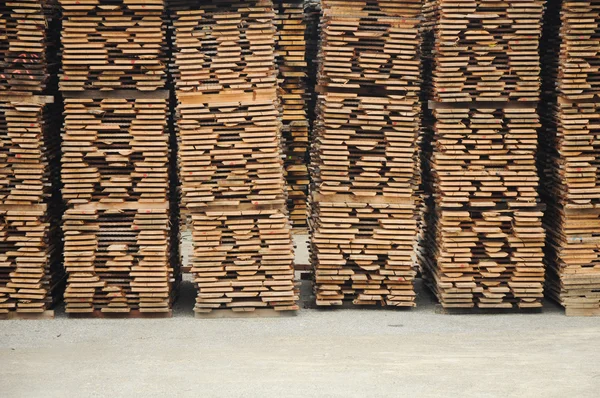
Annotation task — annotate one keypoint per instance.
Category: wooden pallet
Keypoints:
(248, 313)
(13, 315)
(129, 314)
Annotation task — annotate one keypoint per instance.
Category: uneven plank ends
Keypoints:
(292, 66)
(113, 44)
(230, 157)
(31, 273)
(484, 237)
(28, 46)
(121, 240)
(365, 154)
(486, 50)
(115, 151)
(482, 245)
(571, 153)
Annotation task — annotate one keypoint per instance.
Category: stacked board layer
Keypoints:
(571, 154)
(482, 245)
(120, 253)
(486, 50)
(28, 46)
(230, 155)
(364, 154)
(31, 274)
(292, 66)
(113, 45)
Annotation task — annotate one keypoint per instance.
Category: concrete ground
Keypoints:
(329, 353)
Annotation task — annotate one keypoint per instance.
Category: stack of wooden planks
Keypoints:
(113, 44)
(483, 240)
(119, 253)
(486, 50)
(312, 13)
(365, 153)
(571, 154)
(31, 274)
(292, 66)
(28, 46)
(230, 156)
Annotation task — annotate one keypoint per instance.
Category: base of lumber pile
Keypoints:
(246, 313)
(47, 314)
(121, 315)
(582, 311)
(440, 309)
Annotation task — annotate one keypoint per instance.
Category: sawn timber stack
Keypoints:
(120, 246)
(31, 273)
(292, 67)
(230, 156)
(571, 154)
(364, 155)
(483, 239)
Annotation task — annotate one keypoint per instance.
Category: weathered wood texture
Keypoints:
(230, 155)
(482, 242)
(365, 154)
(571, 154)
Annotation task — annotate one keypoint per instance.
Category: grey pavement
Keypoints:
(328, 353)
